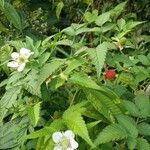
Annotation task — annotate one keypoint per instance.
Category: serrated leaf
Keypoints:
(103, 18)
(131, 142)
(143, 144)
(33, 113)
(128, 27)
(12, 15)
(121, 23)
(83, 80)
(112, 132)
(143, 59)
(72, 64)
(144, 128)
(143, 103)
(98, 105)
(7, 101)
(74, 121)
(131, 108)
(12, 133)
(92, 124)
(103, 104)
(15, 77)
(128, 124)
(118, 9)
(131, 24)
(56, 125)
(18, 44)
(44, 57)
(48, 69)
(98, 56)
(31, 83)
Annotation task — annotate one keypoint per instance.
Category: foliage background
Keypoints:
(109, 114)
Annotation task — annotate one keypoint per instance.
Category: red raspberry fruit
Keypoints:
(110, 74)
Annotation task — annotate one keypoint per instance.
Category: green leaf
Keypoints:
(143, 144)
(3, 28)
(74, 29)
(56, 83)
(30, 45)
(31, 83)
(143, 103)
(12, 133)
(56, 125)
(143, 59)
(98, 56)
(131, 108)
(65, 42)
(91, 17)
(105, 105)
(2, 3)
(118, 9)
(34, 113)
(83, 80)
(12, 15)
(106, 28)
(128, 124)
(48, 69)
(131, 24)
(112, 132)
(128, 27)
(14, 78)
(89, 2)
(44, 57)
(144, 128)
(69, 31)
(103, 18)
(49, 145)
(121, 23)
(131, 142)
(59, 8)
(102, 109)
(74, 121)
(92, 124)
(73, 64)
(8, 100)
(18, 44)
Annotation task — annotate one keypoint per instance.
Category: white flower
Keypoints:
(64, 140)
(20, 59)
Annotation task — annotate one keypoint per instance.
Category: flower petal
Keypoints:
(13, 64)
(25, 52)
(21, 67)
(69, 134)
(57, 136)
(58, 147)
(70, 149)
(15, 55)
(74, 144)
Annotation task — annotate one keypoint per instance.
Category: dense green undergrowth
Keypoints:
(74, 65)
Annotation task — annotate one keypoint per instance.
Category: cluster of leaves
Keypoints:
(62, 86)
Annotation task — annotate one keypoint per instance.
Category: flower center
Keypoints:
(22, 59)
(65, 143)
